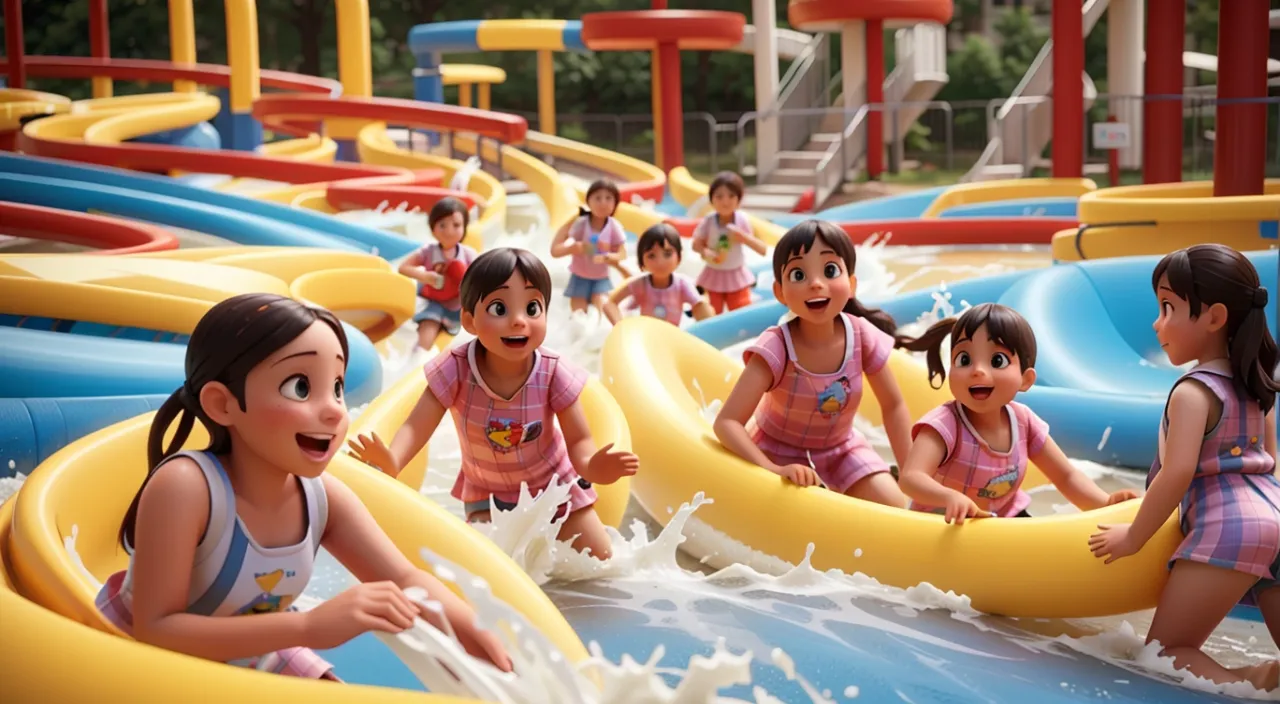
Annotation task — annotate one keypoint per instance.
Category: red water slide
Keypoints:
(105, 234)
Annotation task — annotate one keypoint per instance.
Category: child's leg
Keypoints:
(855, 469)
(590, 534)
(880, 488)
(577, 304)
(428, 331)
(598, 300)
(717, 301)
(1269, 605)
(1195, 600)
(738, 299)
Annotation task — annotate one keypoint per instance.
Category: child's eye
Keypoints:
(339, 387)
(1166, 308)
(796, 275)
(831, 270)
(962, 359)
(296, 388)
(999, 360)
(497, 309)
(533, 309)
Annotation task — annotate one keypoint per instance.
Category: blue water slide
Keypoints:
(33, 429)
(1019, 207)
(201, 135)
(298, 222)
(899, 207)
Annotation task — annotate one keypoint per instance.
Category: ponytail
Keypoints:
(875, 316)
(1254, 355)
(931, 344)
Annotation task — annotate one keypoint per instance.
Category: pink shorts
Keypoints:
(838, 467)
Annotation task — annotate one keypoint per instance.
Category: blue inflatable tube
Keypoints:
(282, 216)
(33, 429)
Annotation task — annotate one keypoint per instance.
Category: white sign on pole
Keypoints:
(1110, 135)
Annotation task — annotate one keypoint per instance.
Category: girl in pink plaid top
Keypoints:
(719, 239)
(595, 242)
(969, 456)
(505, 395)
(1217, 459)
(660, 292)
(221, 542)
(791, 412)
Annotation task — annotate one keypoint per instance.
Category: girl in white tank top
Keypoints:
(234, 530)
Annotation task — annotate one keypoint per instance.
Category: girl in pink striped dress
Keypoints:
(791, 412)
(505, 395)
(659, 292)
(719, 239)
(596, 242)
(1216, 462)
(969, 456)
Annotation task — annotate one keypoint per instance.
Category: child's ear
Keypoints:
(468, 322)
(777, 292)
(853, 285)
(1028, 378)
(218, 403)
(1216, 317)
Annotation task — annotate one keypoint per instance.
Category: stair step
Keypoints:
(802, 156)
(800, 177)
(776, 189)
(757, 202)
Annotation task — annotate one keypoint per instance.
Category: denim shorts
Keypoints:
(587, 289)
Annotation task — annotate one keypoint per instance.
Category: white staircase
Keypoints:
(1023, 126)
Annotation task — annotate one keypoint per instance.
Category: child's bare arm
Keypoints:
(916, 475)
(894, 412)
(560, 246)
(702, 309)
(408, 441)
(582, 449)
(610, 309)
(1189, 408)
(1071, 482)
(1269, 436)
(414, 268)
(731, 423)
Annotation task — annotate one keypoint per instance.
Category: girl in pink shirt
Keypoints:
(438, 269)
(719, 239)
(791, 412)
(969, 456)
(659, 292)
(596, 242)
(505, 395)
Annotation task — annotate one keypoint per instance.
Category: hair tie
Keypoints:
(583, 211)
(1259, 297)
(188, 397)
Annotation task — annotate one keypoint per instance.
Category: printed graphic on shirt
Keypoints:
(720, 251)
(1000, 485)
(834, 398)
(659, 311)
(267, 602)
(599, 248)
(506, 434)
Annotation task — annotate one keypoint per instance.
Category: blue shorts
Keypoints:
(587, 289)
(450, 320)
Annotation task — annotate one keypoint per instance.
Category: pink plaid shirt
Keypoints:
(808, 410)
(608, 240)
(1231, 512)
(972, 467)
(433, 258)
(506, 441)
(728, 271)
(666, 303)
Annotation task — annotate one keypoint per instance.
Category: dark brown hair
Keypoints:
(231, 339)
(446, 207)
(1005, 326)
(491, 270)
(1212, 273)
(729, 180)
(801, 238)
(603, 184)
(655, 236)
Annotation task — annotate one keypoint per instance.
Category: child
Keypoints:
(233, 530)
(439, 267)
(505, 395)
(595, 241)
(660, 291)
(719, 238)
(1217, 459)
(792, 410)
(969, 456)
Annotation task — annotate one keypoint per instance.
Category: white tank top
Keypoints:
(232, 574)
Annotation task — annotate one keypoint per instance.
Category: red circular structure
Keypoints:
(831, 15)
(665, 32)
(106, 235)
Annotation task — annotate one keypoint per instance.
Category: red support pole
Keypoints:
(1240, 131)
(658, 5)
(1162, 104)
(875, 97)
(1068, 89)
(672, 106)
(14, 51)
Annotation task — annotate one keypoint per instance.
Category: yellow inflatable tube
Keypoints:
(1037, 567)
(388, 412)
(17, 103)
(81, 493)
(687, 190)
(1160, 218)
(1012, 189)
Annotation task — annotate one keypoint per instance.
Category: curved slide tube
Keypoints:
(107, 235)
(81, 494)
(1037, 567)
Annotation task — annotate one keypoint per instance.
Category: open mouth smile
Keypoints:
(516, 341)
(817, 304)
(980, 393)
(314, 445)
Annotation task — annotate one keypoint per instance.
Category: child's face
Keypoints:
(295, 415)
(662, 259)
(449, 231)
(724, 201)
(601, 203)
(511, 322)
(986, 376)
(815, 285)
(1181, 337)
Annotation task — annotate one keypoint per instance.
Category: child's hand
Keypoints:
(372, 606)
(434, 279)
(799, 474)
(960, 507)
(1122, 496)
(599, 259)
(1114, 542)
(579, 247)
(608, 467)
(735, 234)
(372, 451)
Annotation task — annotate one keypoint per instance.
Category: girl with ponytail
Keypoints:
(232, 530)
(791, 412)
(1216, 461)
